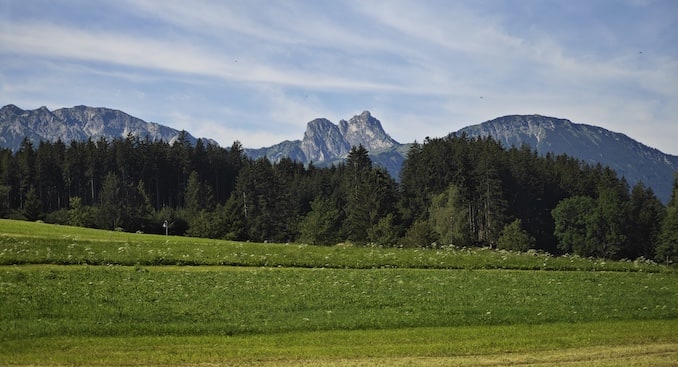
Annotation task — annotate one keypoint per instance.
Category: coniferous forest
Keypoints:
(451, 191)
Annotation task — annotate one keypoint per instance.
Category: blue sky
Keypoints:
(258, 71)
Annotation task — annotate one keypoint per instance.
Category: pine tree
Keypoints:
(644, 223)
(358, 168)
(606, 232)
(194, 196)
(111, 209)
(667, 249)
(32, 205)
(572, 218)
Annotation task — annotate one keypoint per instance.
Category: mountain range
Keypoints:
(78, 123)
(325, 142)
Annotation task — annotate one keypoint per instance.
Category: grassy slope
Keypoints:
(169, 315)
(35, 243)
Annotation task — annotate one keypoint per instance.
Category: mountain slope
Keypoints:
(78, 123)
(591, 144)
(325, 143)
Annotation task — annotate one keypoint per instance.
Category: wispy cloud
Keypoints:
(263, 69)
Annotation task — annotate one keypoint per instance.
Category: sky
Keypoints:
(257, 71)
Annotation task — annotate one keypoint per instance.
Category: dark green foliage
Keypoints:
(207, 224)
(385, 233)
(667, 249)
(420, 234)
(449, 218)
(370, 195)
(572, 220)
(514, 237)
(606, 231)
(452, 190)
(79, 214)
(645, 213)
(32, 207)
(321, 224)
(111, 209)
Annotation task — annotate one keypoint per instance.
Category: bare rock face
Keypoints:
(325, 142)
(367, 131)
(78, 123)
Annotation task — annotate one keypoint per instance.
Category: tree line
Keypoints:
(453, 190)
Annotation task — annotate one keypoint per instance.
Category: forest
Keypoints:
(452, 191)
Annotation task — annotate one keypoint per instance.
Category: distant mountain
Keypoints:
(591, 144)
(78, 123)
(325, 143)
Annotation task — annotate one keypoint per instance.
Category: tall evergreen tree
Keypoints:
(32, 206)
(572, 218)
(358, 169)
(606, 231)
(26, 162)
(667, 249)
(644, 223)
(111, 208)
(488, 207)
(195, 195)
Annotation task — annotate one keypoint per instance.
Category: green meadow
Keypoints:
(73, 296)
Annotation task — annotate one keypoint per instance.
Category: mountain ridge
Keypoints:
(325, 143)
(77, 123)
(635, 161)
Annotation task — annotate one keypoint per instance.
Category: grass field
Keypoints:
(72, 296)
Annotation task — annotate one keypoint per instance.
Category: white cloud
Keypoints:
(261, 70)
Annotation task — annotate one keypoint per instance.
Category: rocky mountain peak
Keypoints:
(323, 141)
(367, 131)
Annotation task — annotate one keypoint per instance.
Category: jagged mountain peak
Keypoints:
(325, 142)
(367, 131)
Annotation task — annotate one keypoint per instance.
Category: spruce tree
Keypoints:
(667, 249)
(111, 208)
(572, 217)
(644, 223)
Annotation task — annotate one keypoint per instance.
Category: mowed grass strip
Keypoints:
(39, 243)
(612, 343)
(45, 300)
